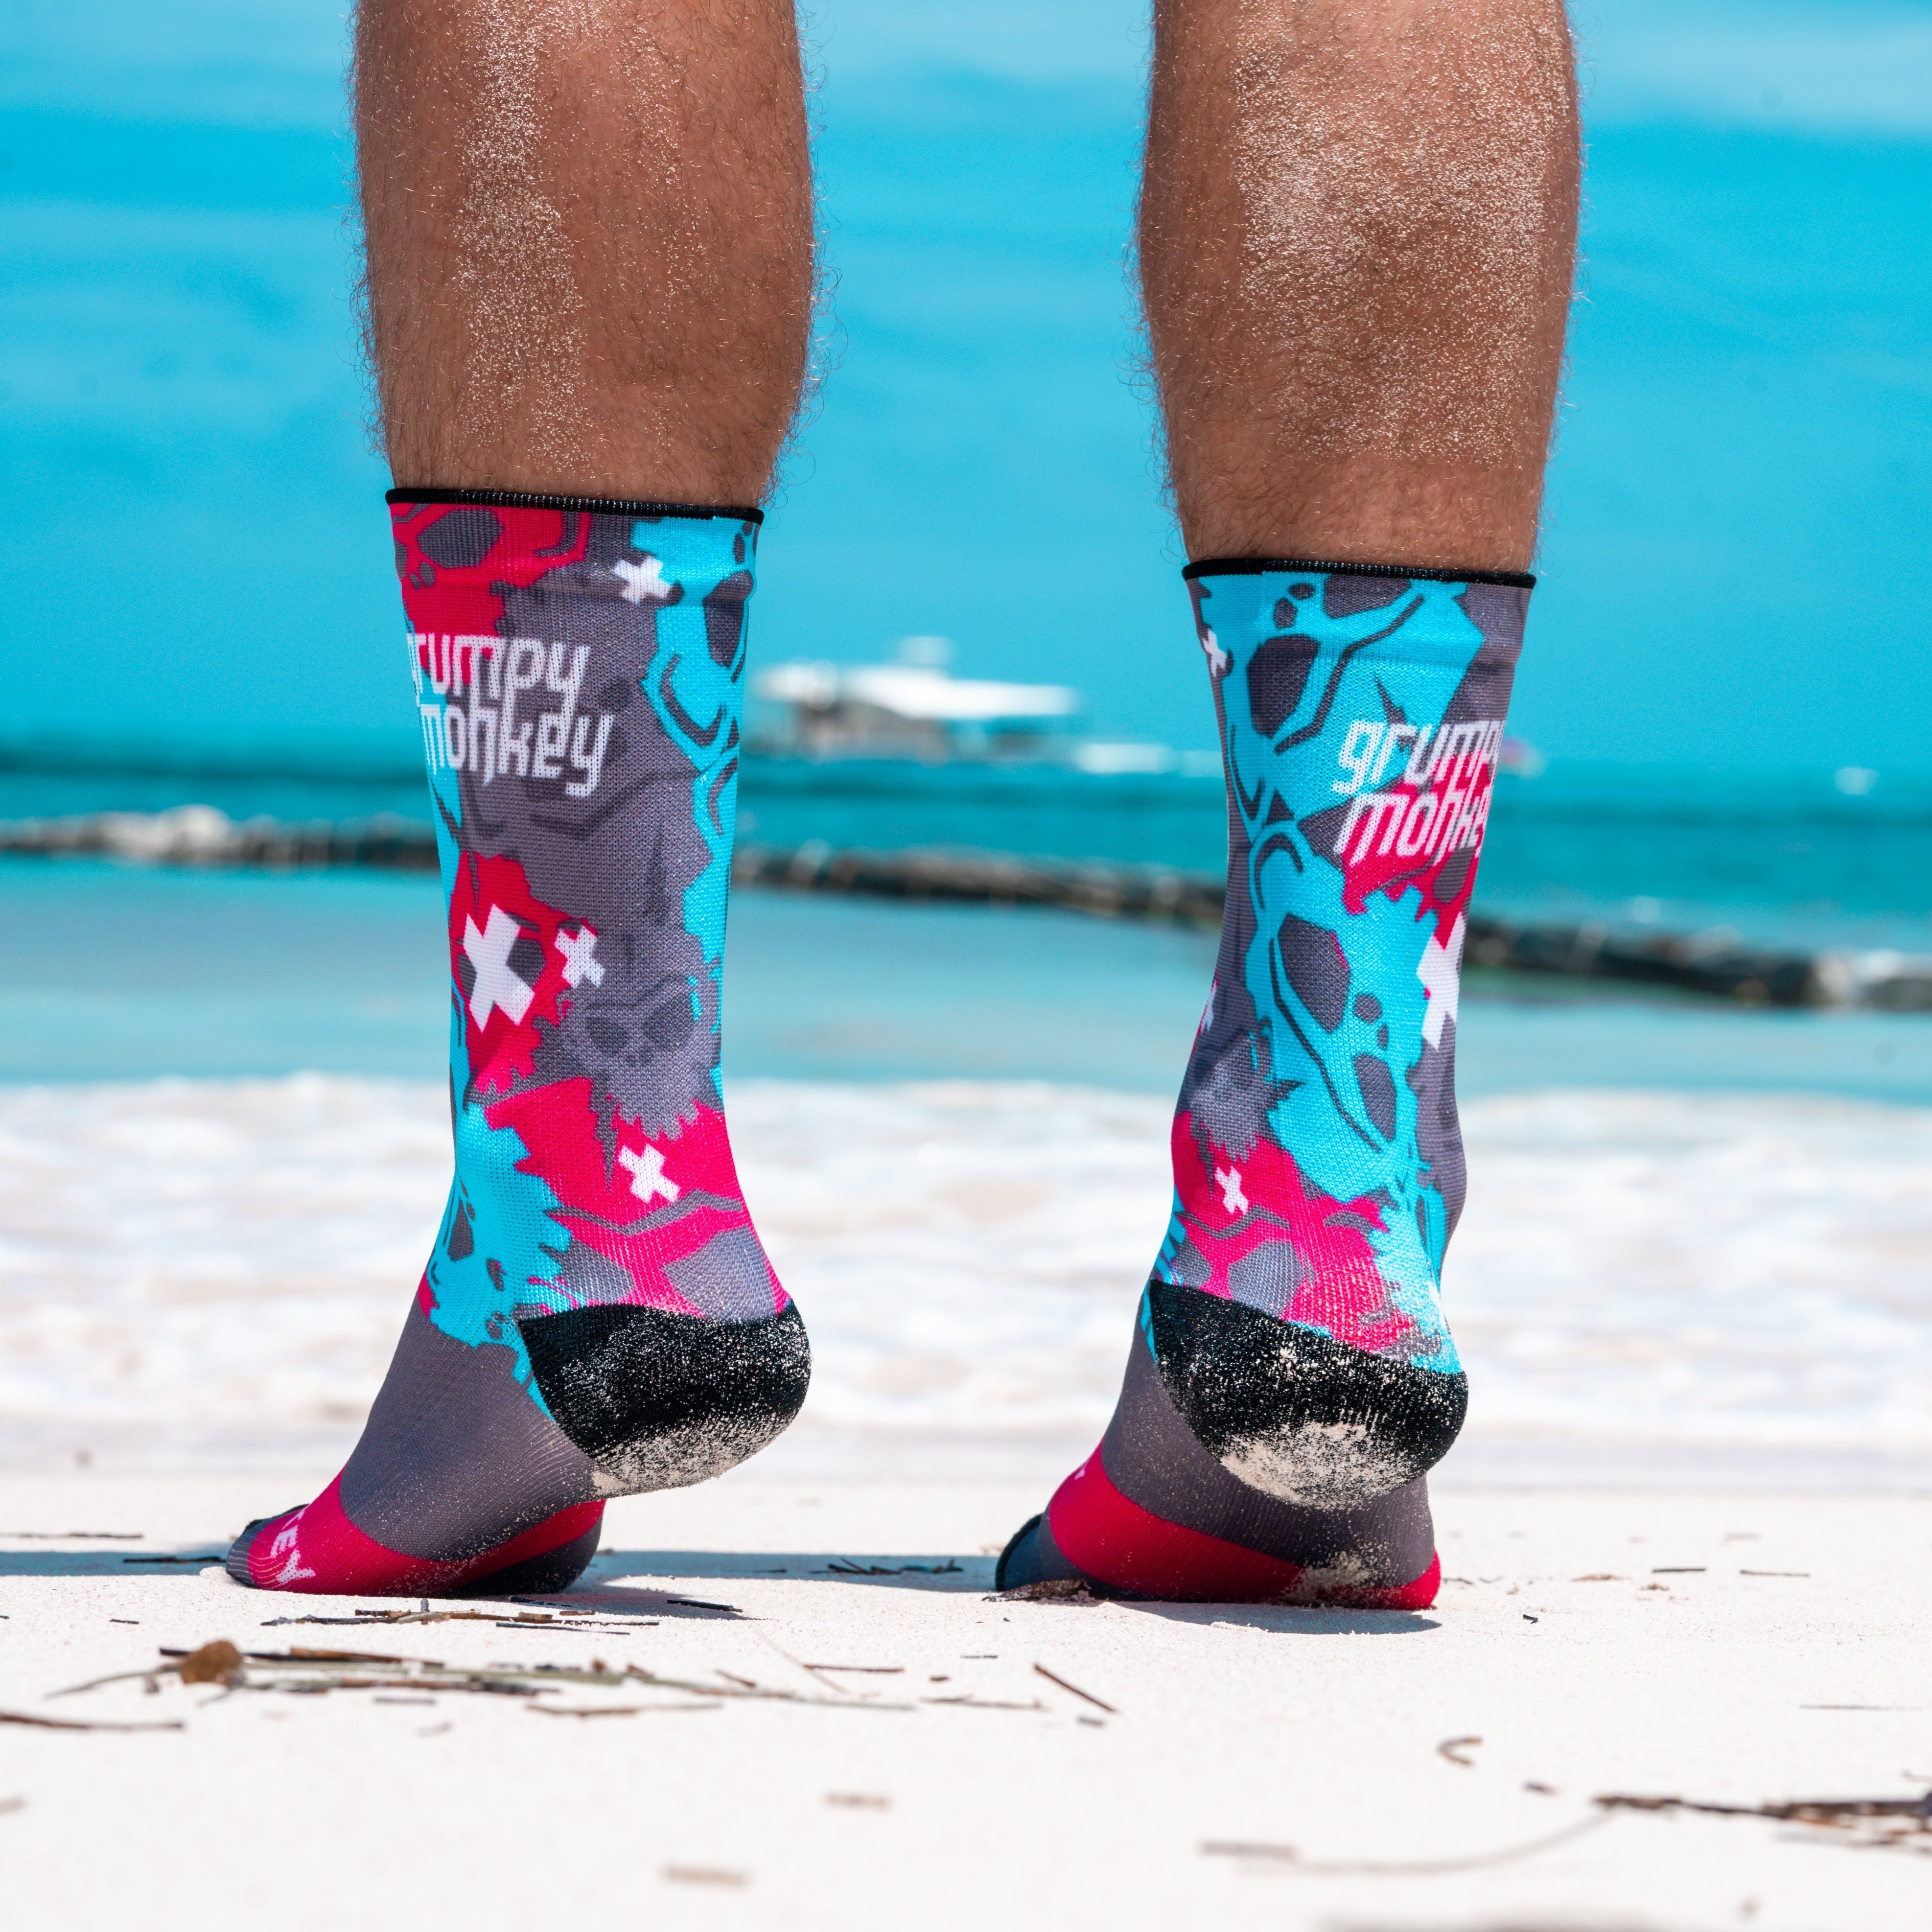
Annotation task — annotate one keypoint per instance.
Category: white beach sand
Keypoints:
(1610, 1644)
(1722, 1303)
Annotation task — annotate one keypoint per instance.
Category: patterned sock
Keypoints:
(597, 1317)
(1293, 1377)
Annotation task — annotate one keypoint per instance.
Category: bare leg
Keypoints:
(589, 241)
(1356, 242)
(589, 289)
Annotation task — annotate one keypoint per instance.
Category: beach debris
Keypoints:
(1288, 1857)
(703, 1875)
(304, 1671)
(522, 1620)
(858, 1800)
(1774, 1573)
(981, 1704)
(1600, 1576)
(1450, 1747)
(1048, 1590)
(1541, 1790)
(1677, 1569)
(843, 1566)
(216, 1663)
(1528, 1619)
(618, 1710)
(1053, 1677)
(214, 1557)
(1878, 1824)
(861, 1670)
(83, 1724)
(7, 1804)
(700, 1603)
(135, 1620)
(73, 1535)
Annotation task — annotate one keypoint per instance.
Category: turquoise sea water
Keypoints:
(200, 601)
(1736, 536)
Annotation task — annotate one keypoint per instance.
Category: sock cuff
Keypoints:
(1265, 566)
(595, 506)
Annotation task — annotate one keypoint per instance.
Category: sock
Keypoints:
(597, 1317)
(1293, 1377)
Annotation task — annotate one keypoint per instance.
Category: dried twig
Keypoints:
(843, 1566)
(73, 1536)
(1053, 1677)
(80, 1724)
(617, 1710)
(979, 1704)
(1287, 1856)
(1450, 1748)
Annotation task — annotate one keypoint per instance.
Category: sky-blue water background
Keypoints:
(195, 550)
(1736, 561)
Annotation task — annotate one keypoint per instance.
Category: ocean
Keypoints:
(1700, 1240)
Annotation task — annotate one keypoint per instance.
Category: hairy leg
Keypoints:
(1357, 236)
(589, 242)
(589, 290)
(1356, 239)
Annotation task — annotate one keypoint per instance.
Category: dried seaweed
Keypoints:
(1886, 1824)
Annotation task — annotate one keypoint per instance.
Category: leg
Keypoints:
(1356, 241)
(589, 297)
(596, 279)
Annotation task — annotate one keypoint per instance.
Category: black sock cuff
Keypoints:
(595, 506)
(1262, 566)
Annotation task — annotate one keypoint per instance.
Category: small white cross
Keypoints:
(580, 961)
(489, 952)
(648, 1179)
(643, 579)
(1218, 660)
(1440, 970)
(1229, 1180)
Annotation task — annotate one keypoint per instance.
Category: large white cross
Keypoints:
(579, 957)
(1229, 1180)
(643, 579)
(1440, 970)
(648, 1179)
(489, 952)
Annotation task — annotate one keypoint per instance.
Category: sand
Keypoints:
(1732, 1649)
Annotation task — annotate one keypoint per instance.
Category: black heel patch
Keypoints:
(1294, 1413)
(658, 1400)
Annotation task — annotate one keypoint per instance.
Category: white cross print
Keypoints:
(643, 579)
(579, 957)
(648, 1179)
(1228, 1179)
(1218, 660)
(489, 952)
(1440, 970)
